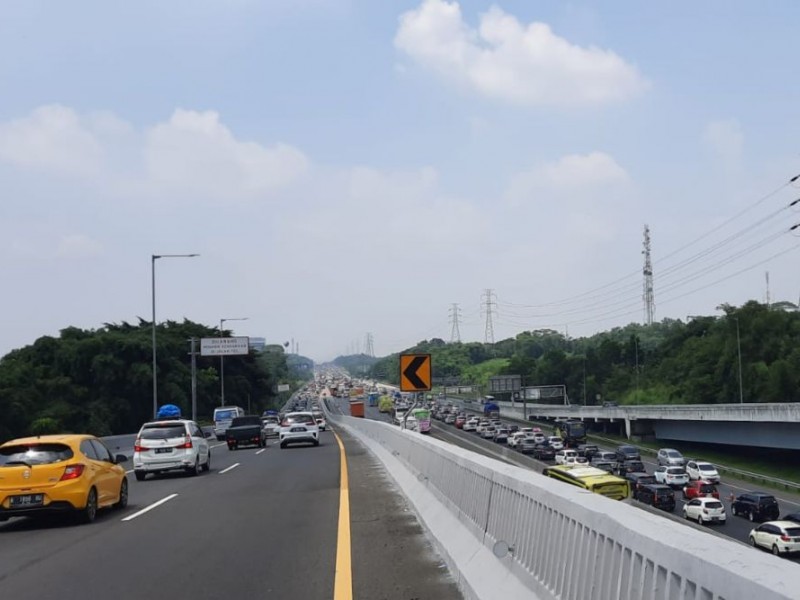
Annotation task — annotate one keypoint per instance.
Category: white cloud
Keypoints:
(78, 246)
(570, 174)
(51, 138)
(194, 152)
(725, 140)
(511, 61)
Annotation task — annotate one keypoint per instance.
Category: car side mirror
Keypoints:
(120, 458)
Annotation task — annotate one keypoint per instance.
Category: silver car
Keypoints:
(670, 457)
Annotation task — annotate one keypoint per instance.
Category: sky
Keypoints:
(345, 167)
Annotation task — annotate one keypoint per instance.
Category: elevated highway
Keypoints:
(761, 425)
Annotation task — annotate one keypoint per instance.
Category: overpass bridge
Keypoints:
(775, 425)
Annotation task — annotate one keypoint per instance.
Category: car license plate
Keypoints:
(27, 500)
(163, 450)
(296, 429)
(715, 518)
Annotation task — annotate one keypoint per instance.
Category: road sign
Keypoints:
(224, 346)
(415, 372)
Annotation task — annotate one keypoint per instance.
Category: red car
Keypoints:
(460, 420)
(697, 489)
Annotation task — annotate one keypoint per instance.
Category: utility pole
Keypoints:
(768, 298)
(455, 314)
(194, 378)
(648, 295)
(370, 348)
(488, 303)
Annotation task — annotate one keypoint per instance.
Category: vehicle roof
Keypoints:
(759, 494)
(784, 524)
(299, 412)
(63, 438)
(174, 421)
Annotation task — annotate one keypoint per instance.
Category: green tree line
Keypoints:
(100, 381)
(670, 362)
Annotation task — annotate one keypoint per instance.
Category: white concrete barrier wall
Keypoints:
(572, 544)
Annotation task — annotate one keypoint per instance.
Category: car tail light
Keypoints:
(137, 446)
(72, 472)
(187, 444)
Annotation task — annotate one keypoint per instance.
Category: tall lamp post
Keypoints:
(153, 258)
(222, 359)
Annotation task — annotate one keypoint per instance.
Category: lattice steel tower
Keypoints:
(648, 296)
(370, 345)
(489, 300)
(455, 315)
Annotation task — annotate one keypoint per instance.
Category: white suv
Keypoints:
(169, 445)
(299, 428)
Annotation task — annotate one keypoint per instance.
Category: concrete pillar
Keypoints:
(628, 428)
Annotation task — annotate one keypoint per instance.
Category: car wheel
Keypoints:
(207, 466)
(194, 470)
(316, 442)
(733, 511)
(699, 520)
(775, 551)
(283, 446)
(752, 541)
(140, 475)
(88, 513)
(123, 495)
(751, 516)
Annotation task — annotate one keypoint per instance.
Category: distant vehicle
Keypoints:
(544, 452)
(385, 405)
(246, 431)
(587, 450)
(271, 425)
(756, 506)
(696, 469)
(555, 443)
(656, 495)
(629, 466)
(471, 424)
(672, 476)
(298, 428)
(488, 432)
(223, 415)
(780, 537)
(590, 478)
(423, 417)
(490, 409)
(705, 510)
(562, 455)
(527, 446)
(639, 479)
(670, 458)
(573, 432)
(627, 452)
(697, 489)
(501, 435)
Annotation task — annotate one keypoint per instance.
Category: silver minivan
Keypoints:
(223, 415)
(669, 457)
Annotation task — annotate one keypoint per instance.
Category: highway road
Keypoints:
(261, 524)
(737, 528)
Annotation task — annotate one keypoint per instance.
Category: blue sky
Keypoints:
(346, 167)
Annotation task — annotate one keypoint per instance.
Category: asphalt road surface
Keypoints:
(260, 524)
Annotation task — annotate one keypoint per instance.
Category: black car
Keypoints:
(544, 452)
(605, 465)
(792, 517)
(587, 450)
(756, 506)
(657, 495)
(626, 452)
(638, 479)
(629, 466)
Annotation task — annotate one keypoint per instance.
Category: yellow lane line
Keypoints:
(343, 581)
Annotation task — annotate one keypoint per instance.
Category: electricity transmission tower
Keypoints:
(455, 315)
(648, 296)
(489, 300)
(370, 347)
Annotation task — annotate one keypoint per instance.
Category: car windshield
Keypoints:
(673, 454)
(299, 418)
(162, 432)
(793, 531)
(223, 415)
(714, 504)
(706, 467)
(707, 488)
(34, 454)
(675, 471)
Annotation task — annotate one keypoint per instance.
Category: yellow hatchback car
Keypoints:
(48, 474)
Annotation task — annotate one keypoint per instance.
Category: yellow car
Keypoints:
(60, 473)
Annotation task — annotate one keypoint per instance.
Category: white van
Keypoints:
(223, 415)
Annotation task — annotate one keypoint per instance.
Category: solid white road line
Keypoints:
(233, 466)
(149, 508)
(260, 451)
(129, 471)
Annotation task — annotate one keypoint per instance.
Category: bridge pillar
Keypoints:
(628, 428)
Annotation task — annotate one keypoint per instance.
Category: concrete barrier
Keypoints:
(564, 542)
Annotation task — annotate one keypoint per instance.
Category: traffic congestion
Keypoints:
(668, 483)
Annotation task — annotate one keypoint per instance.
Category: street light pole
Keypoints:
(222, 359)
(153, 258)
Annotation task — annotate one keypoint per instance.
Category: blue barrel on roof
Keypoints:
(168, 411)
